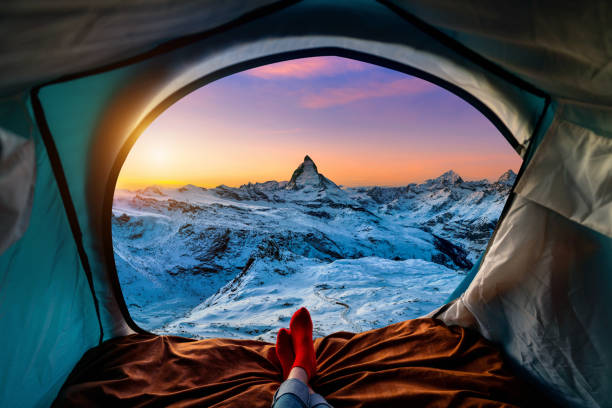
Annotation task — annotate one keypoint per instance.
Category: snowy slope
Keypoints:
(344, 295)
(236, 262)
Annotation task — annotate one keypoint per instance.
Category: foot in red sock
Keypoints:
(301, 335)
(284, 351)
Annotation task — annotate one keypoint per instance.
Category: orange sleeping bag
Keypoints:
(416, 363)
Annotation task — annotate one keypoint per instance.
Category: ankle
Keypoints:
(299, 373)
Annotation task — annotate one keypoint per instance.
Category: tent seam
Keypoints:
(62, 184)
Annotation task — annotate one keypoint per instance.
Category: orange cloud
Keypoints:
(341, 96)
(307, 68)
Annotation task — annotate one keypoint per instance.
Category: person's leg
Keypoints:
(299, 373)
(317, 401)
(314, 399)
(295, 392)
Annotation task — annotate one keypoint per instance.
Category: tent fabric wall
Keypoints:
(72, 110)
(543, 293)
(542, 290)
(47, 317)
(571, 173)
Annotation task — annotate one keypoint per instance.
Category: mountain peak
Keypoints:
(450, 177)
(507, 178)
(309, 162)
(307, 175)
(153, 189)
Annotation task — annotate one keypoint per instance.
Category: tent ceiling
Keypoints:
(564, 48)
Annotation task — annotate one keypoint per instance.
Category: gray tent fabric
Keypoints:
(563, 47)
(578, 161)
(17, 174)
(541, 71)
(71, 36)
(543, 288)
(543, 293)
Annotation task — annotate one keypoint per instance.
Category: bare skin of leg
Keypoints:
(298, 373)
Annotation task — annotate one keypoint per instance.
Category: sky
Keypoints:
(362, 125)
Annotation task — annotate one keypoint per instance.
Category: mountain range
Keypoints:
(235, 261)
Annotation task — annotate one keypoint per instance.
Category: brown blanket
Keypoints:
(417, 363)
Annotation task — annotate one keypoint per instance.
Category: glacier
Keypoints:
(237, 261)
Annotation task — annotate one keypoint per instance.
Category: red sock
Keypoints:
(284, 351)
(301, 335)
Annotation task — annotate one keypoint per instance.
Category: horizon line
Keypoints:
(122, 185)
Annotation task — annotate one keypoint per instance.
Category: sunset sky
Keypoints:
(360, 123)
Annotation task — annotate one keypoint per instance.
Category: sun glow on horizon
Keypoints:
(363, 125)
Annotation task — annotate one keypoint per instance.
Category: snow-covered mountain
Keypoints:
(307, 178)
(237, 261)
(463, 212)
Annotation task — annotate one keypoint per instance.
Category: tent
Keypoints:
(79, 81)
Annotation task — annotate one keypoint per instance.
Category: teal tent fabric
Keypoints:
(47, 317)
(72, 111)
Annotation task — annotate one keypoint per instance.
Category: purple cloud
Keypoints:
(344, 95)
(307, 68)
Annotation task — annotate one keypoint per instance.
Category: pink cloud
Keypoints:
(341, 96)
(307, 68)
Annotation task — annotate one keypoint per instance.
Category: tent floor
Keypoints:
(416, 363)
